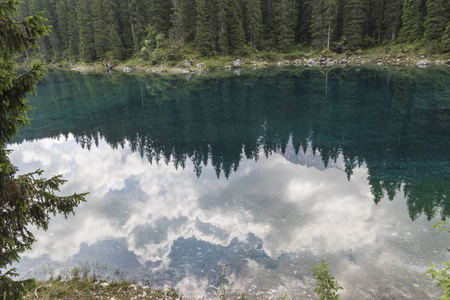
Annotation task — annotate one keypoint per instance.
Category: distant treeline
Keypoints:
(91, 30)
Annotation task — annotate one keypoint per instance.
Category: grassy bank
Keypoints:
(89, 289)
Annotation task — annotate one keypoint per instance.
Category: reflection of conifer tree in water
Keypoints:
(304, 108)
(381, 120)
(279, 114)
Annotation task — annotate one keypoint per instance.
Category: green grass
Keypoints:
(89, 289)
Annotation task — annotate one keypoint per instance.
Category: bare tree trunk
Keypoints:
(328, 38)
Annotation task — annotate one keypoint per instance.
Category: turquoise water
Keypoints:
(267, 172)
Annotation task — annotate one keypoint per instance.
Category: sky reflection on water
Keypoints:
(270, 222)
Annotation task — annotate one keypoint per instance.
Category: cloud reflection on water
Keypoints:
(297, 215)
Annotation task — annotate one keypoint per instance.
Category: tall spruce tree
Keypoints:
(413, 19)
(376, 13)
(85, 25)
(253, 23)
(25, 200)
(438, 15)
(176, 31)
(204, 34)
(222, 25)
(114, 28)
(236, 33)
(160, 11)
(61, 16)
(392, 19)
(355, 21)
(303, 27)
(189, 15)
(101, 41)
(73, 34)
(284, 19)
(138, 17)
(323, 21)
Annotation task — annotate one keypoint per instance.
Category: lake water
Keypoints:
(266, 172)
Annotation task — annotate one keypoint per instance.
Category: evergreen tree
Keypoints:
(438, 15)
(101, 41)
(189, 15)
(116, 46)
(253, 22)
(392, 19)
(52, 41)
(123, 28)
(24, 200)
(284, 19)
(204, 34)
(85, 25)
(139, 15)
(222, 25)
(413, 18)
(303, 28)
(176, 31)
(160, 15)
(445, 41)
(61, 16)
(72, 23)
(236, 33)
(355, 21)
(323, 21)
(131, 22)
(376, 13)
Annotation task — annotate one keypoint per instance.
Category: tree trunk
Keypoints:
(131, 20)
(328, 38)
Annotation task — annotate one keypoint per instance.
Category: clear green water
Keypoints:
(268, 172)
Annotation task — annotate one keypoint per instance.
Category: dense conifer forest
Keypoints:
(90, 30)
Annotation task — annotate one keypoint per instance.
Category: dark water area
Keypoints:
(268, 173)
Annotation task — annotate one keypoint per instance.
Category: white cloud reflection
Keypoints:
(307, 213)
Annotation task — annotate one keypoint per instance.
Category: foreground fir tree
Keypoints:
(25, 200)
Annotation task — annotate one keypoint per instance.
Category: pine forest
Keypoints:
(157, 30)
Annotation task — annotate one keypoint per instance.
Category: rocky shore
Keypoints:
(199, 65)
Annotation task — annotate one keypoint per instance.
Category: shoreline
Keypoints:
(201, 65)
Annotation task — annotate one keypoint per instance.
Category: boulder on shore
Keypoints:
(423, 63)
(186, 64)
(237, 63)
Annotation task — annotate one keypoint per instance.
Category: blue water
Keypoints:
(267, 173)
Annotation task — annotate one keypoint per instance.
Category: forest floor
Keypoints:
(377, 56)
